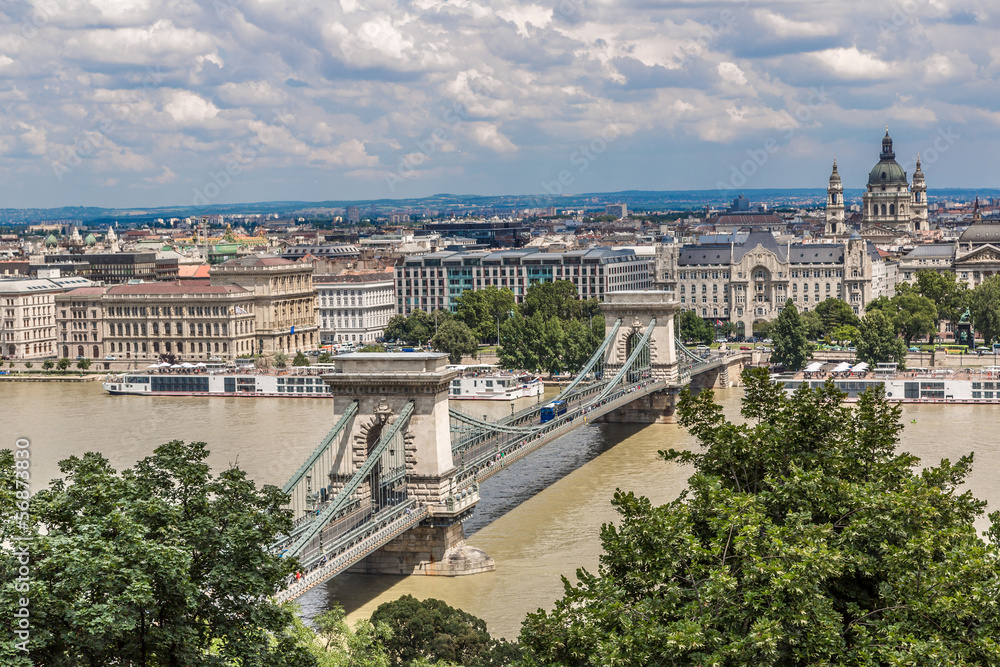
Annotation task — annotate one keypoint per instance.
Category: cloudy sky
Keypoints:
(165, 102)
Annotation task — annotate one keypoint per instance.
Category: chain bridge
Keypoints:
(387, 489)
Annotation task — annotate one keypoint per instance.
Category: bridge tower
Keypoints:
(382, 385)
(636, 311)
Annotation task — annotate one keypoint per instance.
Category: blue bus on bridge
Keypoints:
(552, 410)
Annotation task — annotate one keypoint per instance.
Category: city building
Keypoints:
(492, 233)
(183, 320)
(620, 211)
(80, 323)
(750, 282)
(28, 308)
(111, 268)
(285, 302)
(354, 306)
(353, 214)
(432, 281)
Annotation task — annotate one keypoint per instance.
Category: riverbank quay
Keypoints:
(46, 377)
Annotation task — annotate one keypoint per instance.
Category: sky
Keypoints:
(144, 103)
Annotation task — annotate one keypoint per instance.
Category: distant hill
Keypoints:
(653, 200)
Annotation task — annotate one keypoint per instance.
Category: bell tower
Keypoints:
(835, 225)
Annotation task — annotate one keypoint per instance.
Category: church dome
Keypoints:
(52, 240)
(90, 240)
(887, 171)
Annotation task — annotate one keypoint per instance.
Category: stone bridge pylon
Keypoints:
(416, 467)
(628, 316)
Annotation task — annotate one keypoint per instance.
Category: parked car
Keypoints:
(109, 357)
(744, 347)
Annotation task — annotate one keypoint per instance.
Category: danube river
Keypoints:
(540, 519)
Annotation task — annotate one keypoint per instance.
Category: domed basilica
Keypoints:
(890, 205)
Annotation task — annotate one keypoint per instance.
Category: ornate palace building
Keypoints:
(750, 279)
(890, 205)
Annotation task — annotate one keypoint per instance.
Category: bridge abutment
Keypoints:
(436, 547)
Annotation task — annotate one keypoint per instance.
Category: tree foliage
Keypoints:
(835, 313)
(690, 327)
(805, 538)
(877, 342)
(432, 630)
(910, 314)
(791, 344)
(164, 564)
(457, 339)
(984, 306)
(484, 309)
(300, 359)
(949, 296)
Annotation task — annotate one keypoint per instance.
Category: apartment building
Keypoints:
(28, 309)
(433, 281)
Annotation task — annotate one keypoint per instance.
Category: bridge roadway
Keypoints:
(361, 534)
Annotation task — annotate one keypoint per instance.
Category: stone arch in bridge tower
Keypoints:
(637, 310)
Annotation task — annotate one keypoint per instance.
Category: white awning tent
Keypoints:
(860, 368)
(187, 365)
(814, 367)
(841, 367)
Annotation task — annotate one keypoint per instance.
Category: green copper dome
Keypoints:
(887, 171)
(52, 240)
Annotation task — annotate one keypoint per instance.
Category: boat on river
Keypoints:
(480, 382)
(969, 385)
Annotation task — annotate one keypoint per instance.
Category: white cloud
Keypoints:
(189, 108)
(852, 63)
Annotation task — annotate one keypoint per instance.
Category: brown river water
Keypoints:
(540, 519)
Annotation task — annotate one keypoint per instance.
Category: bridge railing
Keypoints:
(493, 452)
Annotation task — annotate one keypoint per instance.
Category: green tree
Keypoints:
(845, 333)
(915, 316)
(83, 364)
(813, 324)
(483, 309)
(395, 329)
(877, 342)
(835, 313)
(300, 359)
(950, 297)
(457, 339)
(47, 365)
(63, 364)
(433, 630)
(324, 358)
(805, 538)
(791, 347)
(29, 365)
(984, 306)
(558, 299)
(334, 643)
(690, 327)
(164, 564)
(280, 359)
